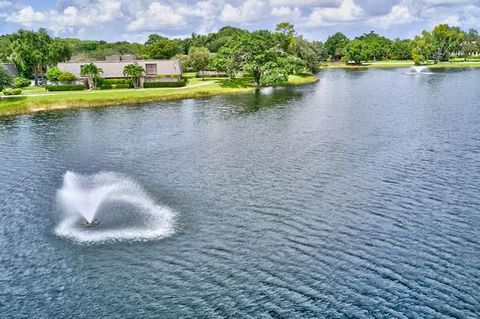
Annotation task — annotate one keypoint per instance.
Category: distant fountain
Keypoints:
(419, 69)
(123, 209)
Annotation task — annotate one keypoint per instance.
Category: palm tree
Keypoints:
(92, 72)
(134, 72)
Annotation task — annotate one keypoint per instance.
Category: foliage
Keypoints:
(356, 51)
(134, 72)
(312, 54)
(378, 47)
(10, 91)
(180, 83)
(401, 49)
(21, 82)
(31, 52)
(445, 41)
(53, 73)
(272, 74)
(65, 87)
(66, 77)
(92, 72)
(198, 58)
(108, 86)
(335, 45)
(162, 48)
(6, 80)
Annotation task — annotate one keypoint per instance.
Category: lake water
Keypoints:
(357, 196)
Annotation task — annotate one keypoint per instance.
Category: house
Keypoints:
(113, 66)
(10, 68)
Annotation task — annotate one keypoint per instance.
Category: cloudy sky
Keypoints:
(133, 20)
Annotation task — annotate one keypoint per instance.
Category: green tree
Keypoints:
(134, 72)
(273, 74)
(53, 73)
(163, 48)
(378, 46)
(66, 77)
(226, 61)
(92, 72)
(401, 49)
(356, 51)
(443, 41)
(31, 52)
(422, 48)
(335, 45)
(198, 58)
(59, 51)
(6, 80)
(311, 53)
(255, 50)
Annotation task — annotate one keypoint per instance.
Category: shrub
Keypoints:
(53, 73)
(181, 83)
(12, 91)
(108, 86)
(66, 77)
(21, 82)
(69, 87)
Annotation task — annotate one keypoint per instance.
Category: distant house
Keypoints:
(113, 66)
(10, 68)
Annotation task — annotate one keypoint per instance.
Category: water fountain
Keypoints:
(123, 208)
(418, 69)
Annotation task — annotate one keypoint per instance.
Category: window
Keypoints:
(151, 69)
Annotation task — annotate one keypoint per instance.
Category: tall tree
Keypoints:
(134, 72)
(163, 48)
(356, 51)
(198, 59)
(6, 80)
(92, 72)
(31, 51)
(335, 45)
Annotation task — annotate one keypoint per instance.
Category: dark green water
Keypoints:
(355, 197)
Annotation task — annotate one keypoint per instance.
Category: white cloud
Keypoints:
(156, 17)
(70, 17)
(304, 3)
(27, 17)
(399, 14)
(249, 11)
(348, 11)
(286, 12)
(5, 4)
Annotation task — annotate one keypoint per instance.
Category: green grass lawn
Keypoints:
(37, 99)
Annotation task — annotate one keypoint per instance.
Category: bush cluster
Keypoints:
(21, 82)
(17, 91)
(66, 87)
(108, 86)
(181, 83)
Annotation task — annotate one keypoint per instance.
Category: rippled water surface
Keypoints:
(357, 197)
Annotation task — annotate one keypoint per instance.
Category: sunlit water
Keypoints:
(354, 197)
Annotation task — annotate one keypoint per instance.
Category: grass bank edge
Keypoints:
(75, 99)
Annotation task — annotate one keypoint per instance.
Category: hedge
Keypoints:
(108, 86)
(21, 82)
(12, 91)
(65, 87)
(181, 83)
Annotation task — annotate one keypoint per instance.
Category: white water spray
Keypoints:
(124, 210)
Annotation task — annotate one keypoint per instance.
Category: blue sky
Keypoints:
(133, 20)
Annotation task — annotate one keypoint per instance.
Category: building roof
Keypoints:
(10, 68)
(115, 69)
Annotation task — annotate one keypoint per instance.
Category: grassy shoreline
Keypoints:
(401, 64)
(37, 99)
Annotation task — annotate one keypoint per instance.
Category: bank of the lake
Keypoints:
(392, 64)
(37, 99)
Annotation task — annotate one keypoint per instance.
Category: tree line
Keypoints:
(269, 56)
